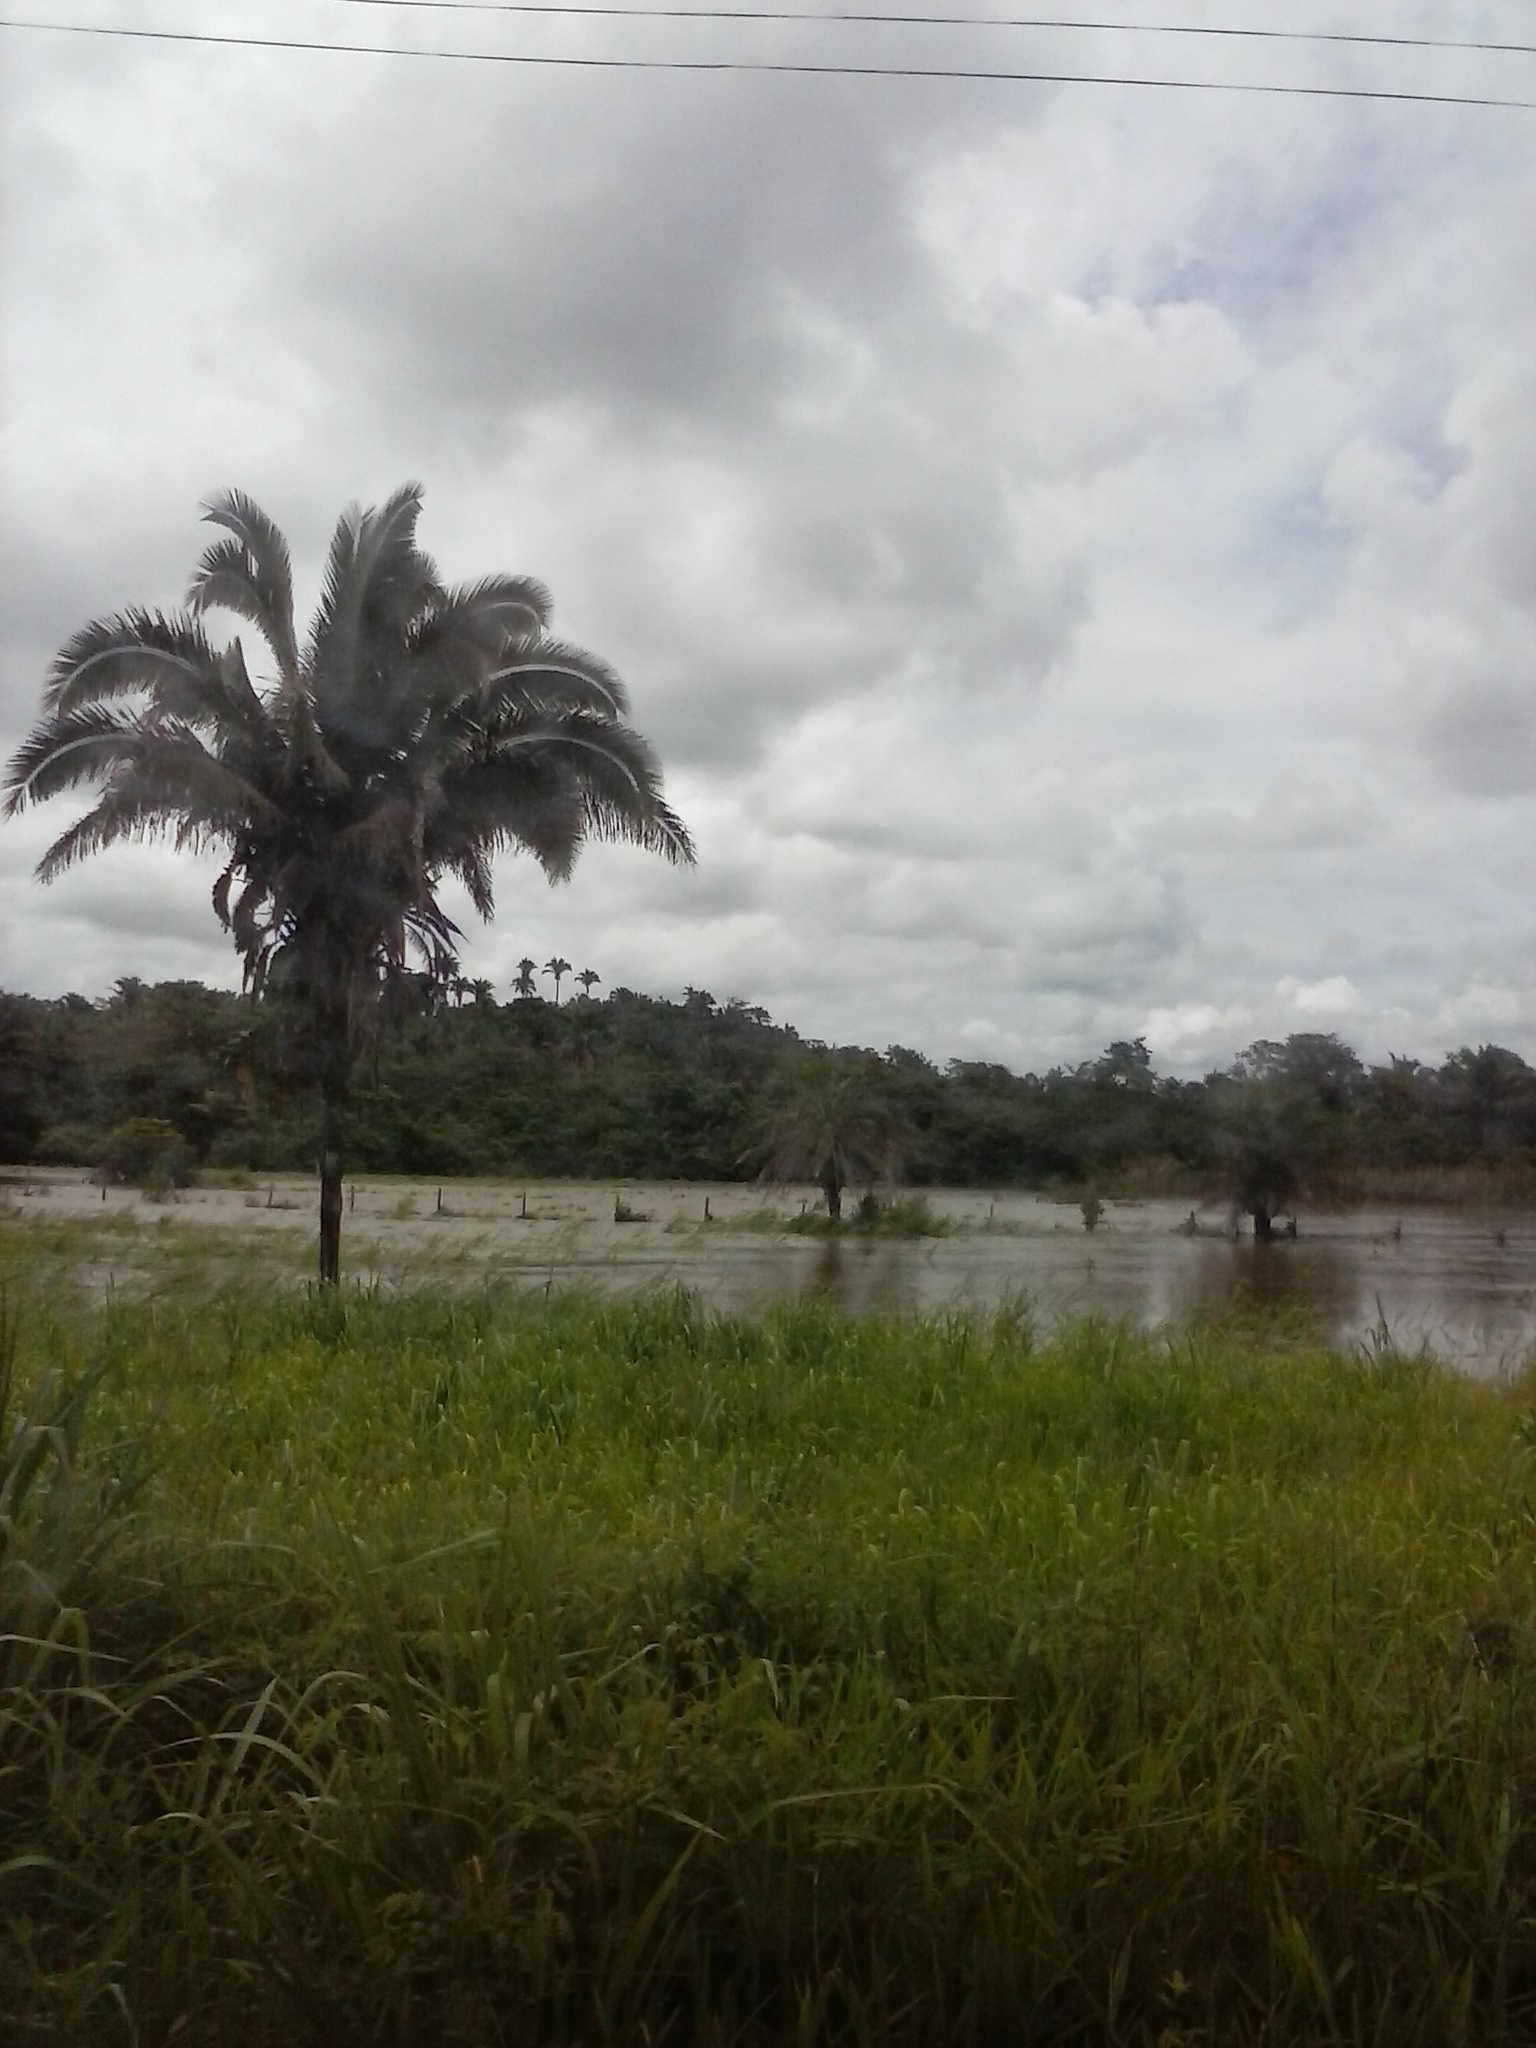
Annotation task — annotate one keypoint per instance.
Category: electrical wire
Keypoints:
(814, 18)
(774, 67)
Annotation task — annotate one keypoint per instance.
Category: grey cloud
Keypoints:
(1072, 553)
(1295, 820)
(581, 238)
(1482, 736)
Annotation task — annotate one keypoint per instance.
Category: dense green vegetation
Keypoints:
(482, 1669)
(632, 1086)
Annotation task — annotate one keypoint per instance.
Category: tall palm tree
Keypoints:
(525, 985)
(420, 729)
(588, 980)
(557, 967)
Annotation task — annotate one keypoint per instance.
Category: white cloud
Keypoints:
(1073, 551)
(1336, 996)
(1482, 1009)
(1190, 1035)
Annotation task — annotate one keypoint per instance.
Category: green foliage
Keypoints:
(55, 1528)
(494, 1669)
(147, 1152)
(633, 1088)
(829, 1121)
(904, 1216)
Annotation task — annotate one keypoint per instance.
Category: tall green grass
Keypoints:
(493, 1670)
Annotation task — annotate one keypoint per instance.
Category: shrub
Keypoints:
(147, 1152)
(68, 1145)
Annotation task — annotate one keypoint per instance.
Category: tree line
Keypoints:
(634, 1086)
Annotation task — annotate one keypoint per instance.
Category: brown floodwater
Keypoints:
(1460, 1282)
(1457, 1282)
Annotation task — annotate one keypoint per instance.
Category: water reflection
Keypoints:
(1459, 1283)
(1272, 1280)
(862, 1278)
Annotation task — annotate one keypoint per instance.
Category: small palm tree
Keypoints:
(588, 980)
(419, 730)
(557, 967)
(829, 1125)
(524, 983)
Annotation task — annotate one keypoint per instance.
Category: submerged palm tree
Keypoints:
(524, 984)
(419, 730)
(589, 981)
(830, 1125)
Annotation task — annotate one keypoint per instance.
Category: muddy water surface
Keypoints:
(1460, 1281)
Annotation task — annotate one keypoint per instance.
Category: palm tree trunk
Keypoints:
(330, 1187)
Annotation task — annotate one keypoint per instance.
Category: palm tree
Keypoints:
(524, 984)
(418, 731)
(557, 967)
(588, 980)
(830, 1125)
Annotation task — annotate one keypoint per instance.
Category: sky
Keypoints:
(1073, 547)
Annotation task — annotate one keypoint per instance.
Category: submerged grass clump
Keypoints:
(901, 1216)
(490, 1670)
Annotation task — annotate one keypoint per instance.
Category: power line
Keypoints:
(774, 67)
(813, 18)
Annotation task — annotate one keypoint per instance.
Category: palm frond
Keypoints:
(387, 831)
(831, 1115)
(492, 615)
(125, 811)
(433, 932)
(251, 932)
(242, 693)
(333, 635)
(618, 780)
(455, 642)
(160, 777)
(107, 821)
(376, 581)
(138, 650)
(660, 831)
(68, 749)
(556, 677)
(307, 756)
(251, 574)
(509, 801)
(221, 889)
(394, 568)
(174, 759)
(473, 868)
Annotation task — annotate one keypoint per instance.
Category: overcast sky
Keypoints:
(1073, 547)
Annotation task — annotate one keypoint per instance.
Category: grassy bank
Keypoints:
(491, 1670)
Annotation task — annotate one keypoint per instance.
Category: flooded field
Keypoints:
(1461, 1281)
